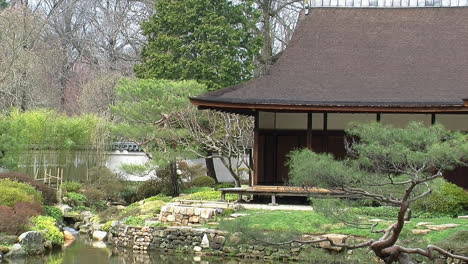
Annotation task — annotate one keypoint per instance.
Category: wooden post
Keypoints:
(309, 131)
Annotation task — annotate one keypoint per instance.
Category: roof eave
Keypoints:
(251, 108)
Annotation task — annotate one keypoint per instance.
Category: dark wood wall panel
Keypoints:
(459, 176)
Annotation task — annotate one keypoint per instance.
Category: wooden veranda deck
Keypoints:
(279, 191)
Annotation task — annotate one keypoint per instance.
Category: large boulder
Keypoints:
(68, 238)
(32, 242)
(64, 208)
(99, 235)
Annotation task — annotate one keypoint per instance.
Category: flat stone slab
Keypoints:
(463, 216)
(420, 231)
(441, 227)
(423, 224)
(238, 215)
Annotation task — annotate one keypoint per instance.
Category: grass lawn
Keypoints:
(313, 223)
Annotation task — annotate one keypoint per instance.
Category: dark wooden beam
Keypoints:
(248, 109)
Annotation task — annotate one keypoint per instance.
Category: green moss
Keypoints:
(209, 195)
(134, 221)
(107, 226)
(151, 207)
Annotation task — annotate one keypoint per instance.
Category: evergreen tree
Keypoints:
(393, 166)
(148, 111)
(210, 41)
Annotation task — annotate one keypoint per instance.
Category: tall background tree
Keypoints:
(393, 166)
(278, 21)
(212, 42)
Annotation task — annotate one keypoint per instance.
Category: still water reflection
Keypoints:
(82, 252)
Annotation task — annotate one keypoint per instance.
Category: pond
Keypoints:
(82, 251)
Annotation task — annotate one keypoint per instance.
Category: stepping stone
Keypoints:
(424, 223)
(420, 231)
(441, 227)
(238, 215)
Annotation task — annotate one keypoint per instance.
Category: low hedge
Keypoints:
(12, 192)
(203, 181)
(49, 194)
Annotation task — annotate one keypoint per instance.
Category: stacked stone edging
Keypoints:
(185, 215)
(146, 238)
(198, 241)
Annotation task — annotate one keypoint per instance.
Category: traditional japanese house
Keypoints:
(385, 61)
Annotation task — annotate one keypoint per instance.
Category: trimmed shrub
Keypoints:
(447, 199)
(203, 181)
(94, 197)
(15, 220)
(28, 209)
(12, 192)
(107, 182)
(54, 212)
(129, 194)
(46, 224)
(49, 194)
(71, 186)
(75, 199)
(152, 188)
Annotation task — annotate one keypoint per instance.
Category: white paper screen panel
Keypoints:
(287, 121)
(402, 120)
(453, 122)
(291, 121)
(317, 121)
(344, 121)
(266, 120)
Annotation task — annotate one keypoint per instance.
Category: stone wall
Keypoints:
(198, 241)
(185, 215)
(146, 238)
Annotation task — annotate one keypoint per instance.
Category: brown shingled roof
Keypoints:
(392, 57)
